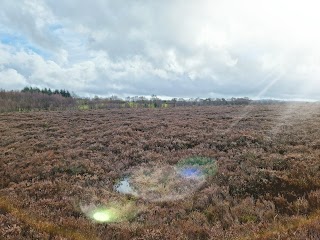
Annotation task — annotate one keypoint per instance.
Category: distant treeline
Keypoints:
(35, 99)
(155, 102)
(47, 91)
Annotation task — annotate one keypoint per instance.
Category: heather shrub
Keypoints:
(300, 206)
(255, 184)
(194, 230)
(314, 199)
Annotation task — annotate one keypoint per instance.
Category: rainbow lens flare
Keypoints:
(190, 172)
(157, 183)
(197, 167)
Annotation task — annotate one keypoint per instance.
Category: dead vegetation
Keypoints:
(267, 185)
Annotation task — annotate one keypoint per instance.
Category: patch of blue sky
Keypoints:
(55, 27)
(18, 41)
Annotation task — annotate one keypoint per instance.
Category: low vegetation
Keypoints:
(262, 180)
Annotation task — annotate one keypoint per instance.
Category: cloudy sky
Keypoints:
(174, 48)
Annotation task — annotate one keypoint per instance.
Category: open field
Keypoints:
(56, 166)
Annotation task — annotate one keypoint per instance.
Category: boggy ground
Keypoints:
(267, 183)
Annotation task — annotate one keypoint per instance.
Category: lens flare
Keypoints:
(112, 212)
(191, 172)
(101, 216)
(159, 183)
(124, 187)
(197, 167)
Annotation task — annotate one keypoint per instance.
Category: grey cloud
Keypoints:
(29, 18)
(173, 48)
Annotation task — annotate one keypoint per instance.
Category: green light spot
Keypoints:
(102, 216)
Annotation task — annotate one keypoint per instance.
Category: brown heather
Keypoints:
(267, 185)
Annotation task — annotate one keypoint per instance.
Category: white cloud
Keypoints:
(175, 48)
(11, 79)
(30, 18)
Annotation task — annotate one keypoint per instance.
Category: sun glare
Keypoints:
(101, 216)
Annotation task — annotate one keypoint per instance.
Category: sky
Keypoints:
(170, 48)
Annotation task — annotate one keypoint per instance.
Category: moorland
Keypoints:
(266, 184)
